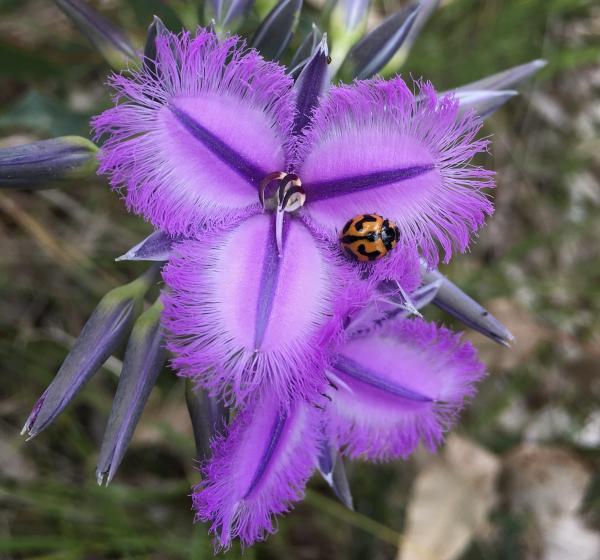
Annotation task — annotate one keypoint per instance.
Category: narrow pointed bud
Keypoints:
(47, 163)
(426, 9)
(425, 294)
(377, 48)
(331, 467)
(208, 416)
(311, 84)
(507, 79)
(107, 38)
(144, 358)
(454, 301)
(156, 247)
(347, 25)
(305, 51)
(483, 102)
(156, 29)
(390, 304)
(104, 332)
(276, 30)
(227, 14)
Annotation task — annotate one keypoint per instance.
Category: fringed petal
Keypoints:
(377, 147)
(258, 469)
(399, 386)
(242, 318)
(191, 140)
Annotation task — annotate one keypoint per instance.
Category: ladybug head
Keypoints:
(390, 234)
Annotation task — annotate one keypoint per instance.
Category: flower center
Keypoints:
(283, 193)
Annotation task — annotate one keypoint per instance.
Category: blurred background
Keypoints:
(519, 477)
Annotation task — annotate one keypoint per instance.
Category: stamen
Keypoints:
(279, 231)
(290, 196)
(277, 175)
(407, 302)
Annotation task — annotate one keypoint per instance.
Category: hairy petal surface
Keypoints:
(258, 469)
(375, 146)
(191, 140)
(242, 318)
(399, 386)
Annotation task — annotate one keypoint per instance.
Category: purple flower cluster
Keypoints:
(255, 176)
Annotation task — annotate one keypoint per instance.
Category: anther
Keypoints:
(290, 196)
(277, 175)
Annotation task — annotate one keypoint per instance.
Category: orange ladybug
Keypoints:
(369, 237)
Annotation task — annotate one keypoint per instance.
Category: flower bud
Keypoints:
(347, 25)
(453, 300)
(144, 359)
(46, 163)
(375, 50)
(101, 336)
(227, 13)
(331, 467)
(483, 102)
(156, 29)
(108, 39)
(156, 247)
(208, 416)
(276, 30)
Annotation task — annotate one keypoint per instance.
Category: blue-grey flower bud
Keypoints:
(47, 163)
(103, 333)
(144, 359)
(106, 37)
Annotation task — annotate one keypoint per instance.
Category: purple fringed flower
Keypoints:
(389, 390)
(258, 469)
(203, 142)
(375, 144)
(399, 386)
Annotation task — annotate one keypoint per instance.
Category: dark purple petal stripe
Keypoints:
(274, 438)
(349, 367)
(268, 282)
(348, 185)
(229, 156)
